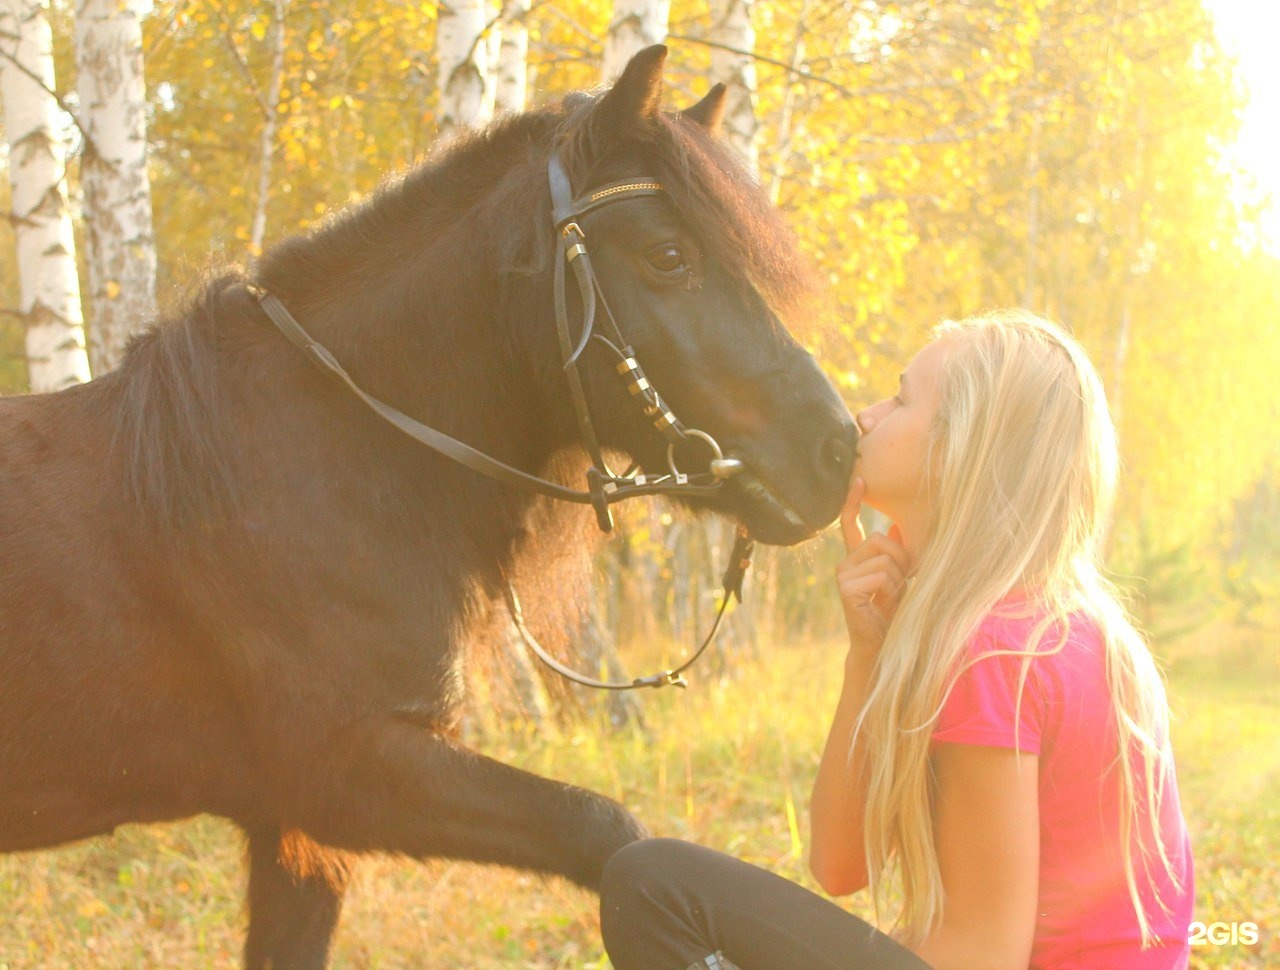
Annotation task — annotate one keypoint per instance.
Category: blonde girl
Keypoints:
(999, 757)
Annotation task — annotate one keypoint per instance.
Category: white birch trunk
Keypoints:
(734, 39)
(121, 246)
(732, 63)
(462, 57)
(49, 291)
(782, 149)
(267, 144)
(513, 58)
(636, 24)
(493, 38)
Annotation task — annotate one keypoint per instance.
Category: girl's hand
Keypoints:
(871, 575)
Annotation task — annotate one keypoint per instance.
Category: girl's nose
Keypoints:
(862, 420)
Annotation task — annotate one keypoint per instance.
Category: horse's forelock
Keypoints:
(729, 211)
(711, 188)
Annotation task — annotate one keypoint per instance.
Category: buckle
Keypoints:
(597, 486)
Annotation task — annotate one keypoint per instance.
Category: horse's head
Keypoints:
(689, 275)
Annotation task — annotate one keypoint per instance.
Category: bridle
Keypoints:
(604, 486)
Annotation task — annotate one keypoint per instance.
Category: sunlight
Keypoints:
(1248, 31)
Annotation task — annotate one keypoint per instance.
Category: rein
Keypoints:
(604, 486)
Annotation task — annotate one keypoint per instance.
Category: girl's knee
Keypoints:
(642, 866)
(644, 903)
(638, 864)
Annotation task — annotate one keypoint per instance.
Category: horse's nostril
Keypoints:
(835, 456)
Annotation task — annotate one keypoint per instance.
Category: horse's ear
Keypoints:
(709, 112)
(637, 93)
(577, 99)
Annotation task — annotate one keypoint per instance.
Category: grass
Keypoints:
(726, 764)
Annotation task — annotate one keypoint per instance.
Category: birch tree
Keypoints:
(636, 24)
(270, 120)
(462, 56)
(513, 58)
(49, 291)
(733, 39)
(121, 253)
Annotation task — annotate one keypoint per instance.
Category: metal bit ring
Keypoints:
(717, 454)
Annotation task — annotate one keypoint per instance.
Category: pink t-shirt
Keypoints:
(1085, 920)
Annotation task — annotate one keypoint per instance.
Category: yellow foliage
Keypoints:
(935, 158)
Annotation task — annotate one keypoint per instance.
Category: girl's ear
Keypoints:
(637, 93)
(709, 112)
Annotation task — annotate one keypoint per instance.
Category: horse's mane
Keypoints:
(173, 433)
(713, 191)
(479, 174)
(487, 174)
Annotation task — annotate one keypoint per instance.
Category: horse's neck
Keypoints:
(551, 570)
(415, 296)
(451, 359)
(433, 338)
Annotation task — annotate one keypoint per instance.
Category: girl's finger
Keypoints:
(880, 563)
(890, 545)
(880, 590)
(857, 591)
(850, 527)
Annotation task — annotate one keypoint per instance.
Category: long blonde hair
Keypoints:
(1022, 467)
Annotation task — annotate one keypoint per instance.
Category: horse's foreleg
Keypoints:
(295, 897)
(399, 788)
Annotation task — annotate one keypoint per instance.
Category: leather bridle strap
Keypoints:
(462, 453)
(739, 560)
(571, 250)
(604, 487)
(565, 208)
(438, 441)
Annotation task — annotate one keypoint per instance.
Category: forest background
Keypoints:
(934, 159)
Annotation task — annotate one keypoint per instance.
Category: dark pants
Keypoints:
(666, 905)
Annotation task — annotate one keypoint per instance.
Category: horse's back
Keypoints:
(82, 651)
(53, 468)
(54, 495)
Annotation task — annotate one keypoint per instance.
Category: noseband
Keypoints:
(604, 486)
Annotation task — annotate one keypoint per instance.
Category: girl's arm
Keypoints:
(987, 832)
(870, 580)
(836, 856)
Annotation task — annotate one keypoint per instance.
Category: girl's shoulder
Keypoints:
(1051, 653)
(1024, 627)
(1039, 669)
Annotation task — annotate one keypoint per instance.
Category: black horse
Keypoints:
(227, 586)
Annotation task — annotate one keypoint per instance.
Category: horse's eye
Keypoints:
(667, 260)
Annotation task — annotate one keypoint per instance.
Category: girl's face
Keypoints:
(893, 450)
